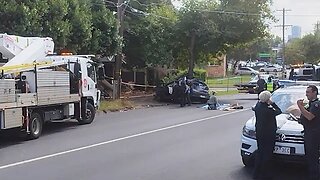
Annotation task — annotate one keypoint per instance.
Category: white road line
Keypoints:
(115, 140)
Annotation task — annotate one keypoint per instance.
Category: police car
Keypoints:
(289, 145)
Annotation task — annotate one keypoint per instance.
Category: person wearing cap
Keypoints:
(212, 102)
(266, 126)
(310, 119)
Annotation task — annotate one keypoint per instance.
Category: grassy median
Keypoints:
(115, 105)
(229, 92)
(227, 81)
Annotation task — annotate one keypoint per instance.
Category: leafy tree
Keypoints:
(158, 47)
(216, 26)
(80, 19)
(105, 38)
(294, 52)
(310, 47)
(55, 24)
(148, 33)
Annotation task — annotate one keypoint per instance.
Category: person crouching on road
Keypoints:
(310, 119)
(266, 126)
(212, 102)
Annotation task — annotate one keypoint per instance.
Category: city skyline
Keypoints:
(301, 13)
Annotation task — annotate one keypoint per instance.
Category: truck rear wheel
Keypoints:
(35, 126)
(90, 114)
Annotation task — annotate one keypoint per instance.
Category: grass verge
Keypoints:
(227, 81)
(115, 105)
(230, 92)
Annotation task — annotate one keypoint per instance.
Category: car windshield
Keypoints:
(256, 78)
(199, 86)
(287, 101)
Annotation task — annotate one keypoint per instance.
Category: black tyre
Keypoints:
(275, 70)
(261, 70)
(35, 126)
(248, 162)
(90, 114)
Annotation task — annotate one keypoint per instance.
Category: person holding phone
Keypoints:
(310, 119)
(266, 126)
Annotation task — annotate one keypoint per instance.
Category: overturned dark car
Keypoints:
(199, 91)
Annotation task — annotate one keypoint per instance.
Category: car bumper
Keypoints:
(249, 148)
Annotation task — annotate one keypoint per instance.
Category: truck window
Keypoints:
(91, 71)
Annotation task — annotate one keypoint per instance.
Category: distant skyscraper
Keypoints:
(296, 32)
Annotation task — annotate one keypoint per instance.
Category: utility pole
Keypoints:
(118, 61)
(283, 35)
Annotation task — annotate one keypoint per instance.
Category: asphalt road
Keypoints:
(164, 142)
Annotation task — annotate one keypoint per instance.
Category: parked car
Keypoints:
(289, 145)
(199, 91)
(250, 87)
(246, 70)
(271, 68)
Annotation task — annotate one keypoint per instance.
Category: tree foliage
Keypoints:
(155, 32)
(208, 26)
(304, 50)
(83, 26)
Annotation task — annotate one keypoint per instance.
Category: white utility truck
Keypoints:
(38, 87)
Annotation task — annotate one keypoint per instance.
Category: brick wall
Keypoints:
(215, 71)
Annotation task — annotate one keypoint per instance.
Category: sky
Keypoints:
(303, 13)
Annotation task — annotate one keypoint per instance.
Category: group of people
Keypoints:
(266, 112)
(182, 90)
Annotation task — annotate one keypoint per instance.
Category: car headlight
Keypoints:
(249, 132)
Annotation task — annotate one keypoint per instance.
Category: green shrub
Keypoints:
(197, 73)
(200, 74)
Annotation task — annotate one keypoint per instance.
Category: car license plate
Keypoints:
(281, 150)
(202, 96)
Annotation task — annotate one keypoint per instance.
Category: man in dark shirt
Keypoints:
(310, 119)
(261, 85)
(266, 126)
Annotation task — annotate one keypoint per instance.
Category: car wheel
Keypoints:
(247, 162)
(262, 70)
(274, 70)
(253, 74)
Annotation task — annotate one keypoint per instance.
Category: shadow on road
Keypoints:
(282, 171)
(14, 137)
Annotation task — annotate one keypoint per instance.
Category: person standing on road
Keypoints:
(188, 92)
(261, 85)
(310, 119)
(266, 126)
(291, 74)
(182, 92)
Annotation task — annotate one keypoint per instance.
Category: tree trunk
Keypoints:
(192, 55)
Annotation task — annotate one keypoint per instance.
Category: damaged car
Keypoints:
(199, 91)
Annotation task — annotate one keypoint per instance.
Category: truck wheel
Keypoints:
(247, 162)
(90, 114)
(35, 126)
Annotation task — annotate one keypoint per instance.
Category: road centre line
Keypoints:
(116, 140)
